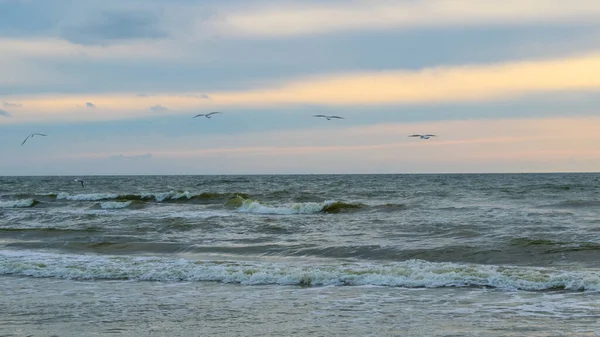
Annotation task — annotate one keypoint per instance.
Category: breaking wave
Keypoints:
(409, 274)
(115, 204)
(329, 206)
(86, 197)
(158, 197)
(240, 201)
(253, 206)
(21, 203)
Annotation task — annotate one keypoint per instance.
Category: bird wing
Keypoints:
(212, 113)
(338, 117)
(430, 135)
(39, 134)
(25, 139)
(81, 183)
(319, 116)
(198, 115)
(415, 136)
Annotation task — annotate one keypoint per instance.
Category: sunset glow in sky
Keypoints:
(511, 86)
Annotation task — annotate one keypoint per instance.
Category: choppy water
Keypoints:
(311, 255)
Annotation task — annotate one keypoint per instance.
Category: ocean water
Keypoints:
(306, 255)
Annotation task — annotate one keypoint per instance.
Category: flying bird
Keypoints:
(328, 117)
(77, 180)
(32, 135)
(208, 115)
(423, 136)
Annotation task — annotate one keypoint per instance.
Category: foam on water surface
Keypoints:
(409, 274)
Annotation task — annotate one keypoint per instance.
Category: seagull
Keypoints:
(207, 115)
(329, 117)
(77, 180)
(32, 135)
(423, 136)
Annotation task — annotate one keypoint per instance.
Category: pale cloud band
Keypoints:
(432, 85)
(294, 19)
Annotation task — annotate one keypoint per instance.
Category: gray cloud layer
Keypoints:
(114, 26)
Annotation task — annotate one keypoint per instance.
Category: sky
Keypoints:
(510, 86)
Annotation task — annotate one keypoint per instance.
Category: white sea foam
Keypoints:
(114, 204)
(86, 197)
(181, 195)
(409, 274)
(253, 206)
(172, 195)
(162, 196)
(21, 203)
(204, 214)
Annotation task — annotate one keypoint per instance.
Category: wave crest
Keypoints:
(86, 197)
(253, 206)
(172, 196)
(241, 201)
(115, 204)
(409, 274)
(339, 206)
(21, 203)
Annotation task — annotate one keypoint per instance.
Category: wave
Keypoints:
(574, 204)
(253, 206)
(20, 203)
(329, 206)
(550, 246)
(391, 207)
(115, 204)
(339, 206)
(241, 201)
(555, 186)
(408, 274)
(86, 197)
(158, 197)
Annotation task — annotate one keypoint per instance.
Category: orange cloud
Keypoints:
(442, 84)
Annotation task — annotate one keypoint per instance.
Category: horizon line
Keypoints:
(296, 174)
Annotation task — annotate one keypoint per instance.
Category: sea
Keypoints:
(301, 255)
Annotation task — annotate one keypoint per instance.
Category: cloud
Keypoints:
(429, 85)
(17, 71)
(122, 157)
(56, 49)
(468, 83)
(4, 113)
(198, 96)
(301, 18)
(90, 105)
(12, 105)
(114, 26)
(159, 108)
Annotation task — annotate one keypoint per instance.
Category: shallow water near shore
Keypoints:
(42, 307)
